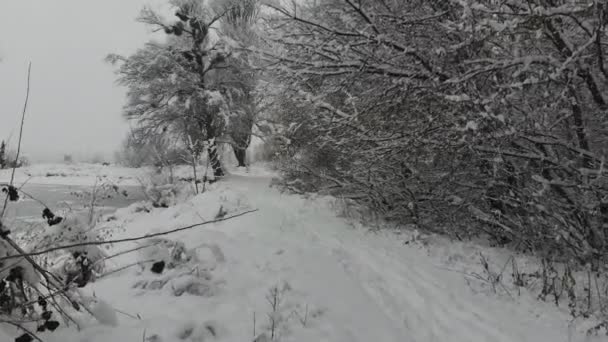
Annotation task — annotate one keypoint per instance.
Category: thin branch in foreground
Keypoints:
(122, 268)
(125, 252)
(27, 97)
(108, 242)
(138, 317)
(19, 326)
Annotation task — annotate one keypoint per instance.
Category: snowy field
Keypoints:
(72, 174)
(295, 271)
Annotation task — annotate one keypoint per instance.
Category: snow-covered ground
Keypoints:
(72, 174)
(330, 279)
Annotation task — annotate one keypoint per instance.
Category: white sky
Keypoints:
(75, 105)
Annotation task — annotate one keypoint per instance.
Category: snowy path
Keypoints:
(349, 284)
(416, 300)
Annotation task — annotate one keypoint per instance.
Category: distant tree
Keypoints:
(242, 106)
(240, 27)
(132, 153)
(97, 158)
(23, 161)
(3, 155)
(8, 157)
(67, 158)
(161, 151)
(174, 87)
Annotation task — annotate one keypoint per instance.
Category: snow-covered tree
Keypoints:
(183, 85)
(239, 28)
(465, 117)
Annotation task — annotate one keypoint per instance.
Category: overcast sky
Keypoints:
(75, 105)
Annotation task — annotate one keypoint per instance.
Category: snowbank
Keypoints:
(295, 270)
(89, 174)
(72, 174)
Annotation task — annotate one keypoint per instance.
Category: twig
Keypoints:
(10, 266)
(17, 325)
(206, 175)
(34, 198)
(55, 282)
(143, 237)
(589, 292)
(125, 252)
(66, 317)
(27, 97)
(128, 314)
(45, 274)
(599, 295)
(254, 324)
(125, 267)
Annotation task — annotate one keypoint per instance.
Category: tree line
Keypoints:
(8, 157)
(468, 118)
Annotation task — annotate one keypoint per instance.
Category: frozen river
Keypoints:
(60, 198)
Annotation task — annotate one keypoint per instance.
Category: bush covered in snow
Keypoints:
(163, 189)
(484, 118)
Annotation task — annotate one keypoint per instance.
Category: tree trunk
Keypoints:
(2, 155)
(242, 139)
(240, 154)
(579, 127)
(214, 159)
(194, 174)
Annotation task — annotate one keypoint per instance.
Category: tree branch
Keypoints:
(143, 237)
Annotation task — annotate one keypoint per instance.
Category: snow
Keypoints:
(73, 174)
(471, 125)
(457, 98)
(103, 312)
(331, 278)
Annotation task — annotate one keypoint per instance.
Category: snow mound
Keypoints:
(294, 271)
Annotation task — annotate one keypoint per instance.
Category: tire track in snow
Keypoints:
(426, 309)
(418, 303)
(413, 299)
(421, 301)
